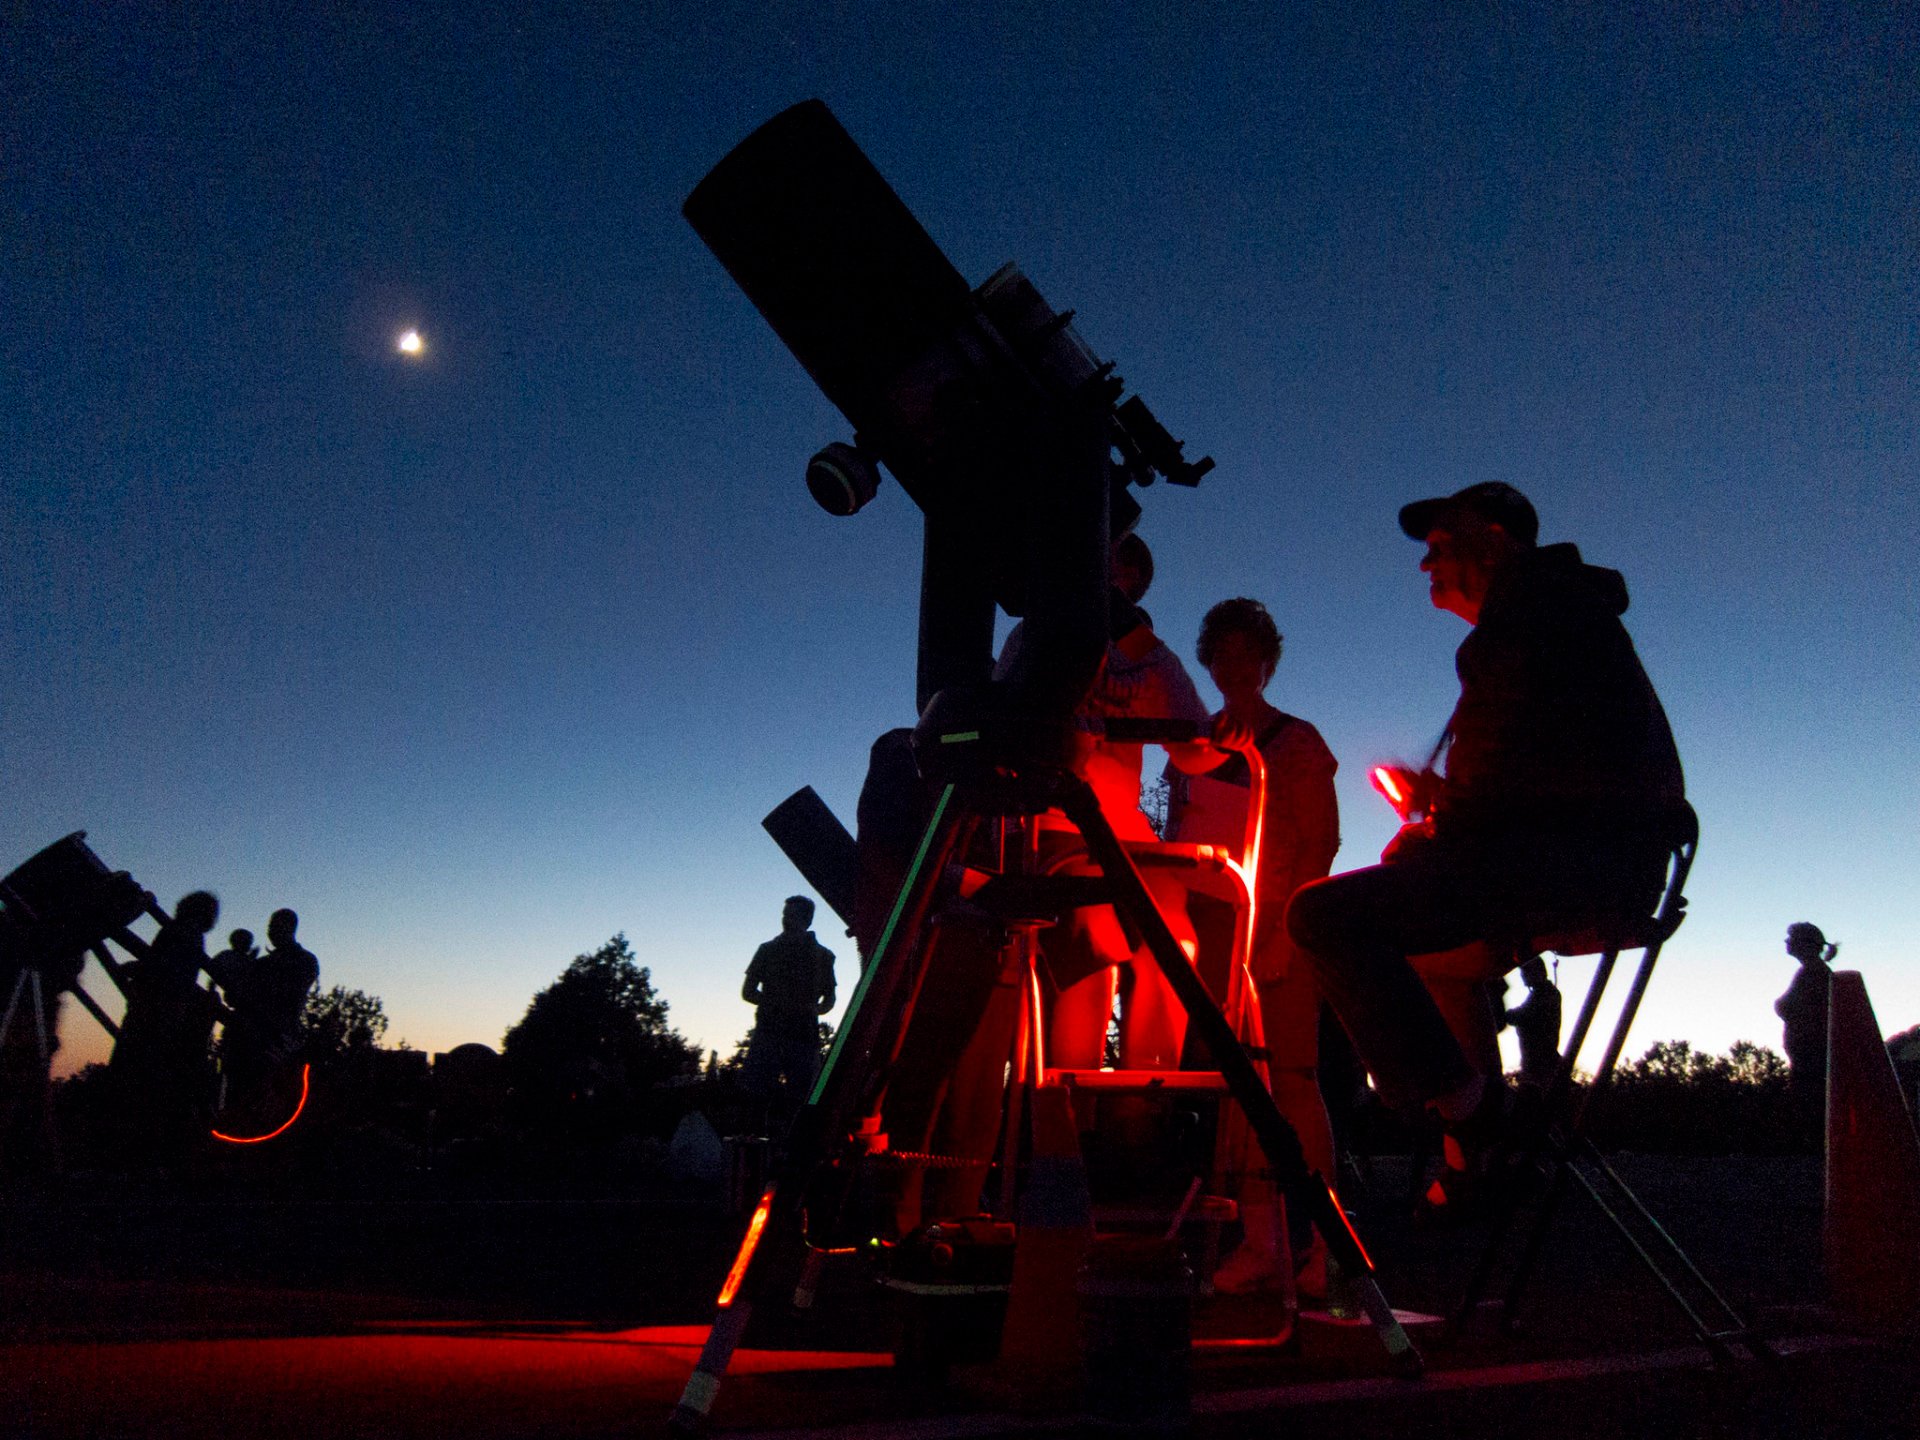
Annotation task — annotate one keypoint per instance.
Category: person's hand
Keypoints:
(1407, 841)
(1231, 734)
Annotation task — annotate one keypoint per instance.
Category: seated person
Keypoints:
(1240, 647)
(1560, 774)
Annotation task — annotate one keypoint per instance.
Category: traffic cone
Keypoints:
(1040, 1345)
(1872, 1239)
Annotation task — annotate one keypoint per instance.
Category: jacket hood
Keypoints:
(1563, 563)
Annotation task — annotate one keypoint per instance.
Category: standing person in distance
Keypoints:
(1803, 1014)
(790, 985)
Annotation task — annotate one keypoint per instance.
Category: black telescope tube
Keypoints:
(829, 254)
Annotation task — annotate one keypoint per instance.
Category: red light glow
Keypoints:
(306, 1075)
(747, 1247)
(1352, 1234)
(1392, 785)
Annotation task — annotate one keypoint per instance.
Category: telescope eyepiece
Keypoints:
(841, 479)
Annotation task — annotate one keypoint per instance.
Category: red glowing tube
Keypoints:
(747, 1247)
(1396, 785)
(1039, 1031)
(1352, 1234)
(306, 1073)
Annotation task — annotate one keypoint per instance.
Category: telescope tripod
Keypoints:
(839, 1123)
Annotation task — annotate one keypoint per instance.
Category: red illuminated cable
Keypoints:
(306, 1072)
(747, 1247)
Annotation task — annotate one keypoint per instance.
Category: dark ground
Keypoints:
(473, 1312)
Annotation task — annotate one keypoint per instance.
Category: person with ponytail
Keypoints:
(1803, 1014)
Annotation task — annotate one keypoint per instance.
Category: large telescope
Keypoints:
(996, 418)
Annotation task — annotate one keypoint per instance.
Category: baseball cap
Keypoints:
(1492, 500)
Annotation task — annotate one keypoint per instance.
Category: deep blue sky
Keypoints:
(479, 659)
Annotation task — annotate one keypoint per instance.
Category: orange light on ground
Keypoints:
(306, 1074)
(747, 1247)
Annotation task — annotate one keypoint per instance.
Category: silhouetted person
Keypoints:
(278, 988)
(1561, 778)
(1240, 647)
(244, 1041)
(1803, 1013)
(231, 966)
(1536, 1024)
(790, 985)
(160, 1062)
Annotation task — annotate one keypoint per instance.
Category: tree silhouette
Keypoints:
(342, 1022)
(595, 1041)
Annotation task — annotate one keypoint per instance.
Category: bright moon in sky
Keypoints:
(411, 343)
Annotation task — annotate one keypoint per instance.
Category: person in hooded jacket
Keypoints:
(1552, 812)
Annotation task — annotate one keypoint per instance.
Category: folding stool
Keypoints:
(1557, 1138)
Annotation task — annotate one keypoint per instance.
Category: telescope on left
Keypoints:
(55, 909)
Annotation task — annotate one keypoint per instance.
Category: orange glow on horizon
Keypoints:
(306, 1075)
(747, 1247)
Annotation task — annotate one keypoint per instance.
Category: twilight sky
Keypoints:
(478, 657)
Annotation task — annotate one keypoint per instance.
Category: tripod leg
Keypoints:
(872, 1019)
(1277, 1138)
(13, 1003)
(40, 1018)
(92, 1007)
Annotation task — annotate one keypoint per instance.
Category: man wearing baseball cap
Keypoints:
(1552, 812)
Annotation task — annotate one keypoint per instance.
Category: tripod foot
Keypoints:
(1402, 1354)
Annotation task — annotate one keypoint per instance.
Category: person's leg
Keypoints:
(760, 1071)
(800, 1058)
(1082, 955)
(1153, 1022)
(1357, 930)
(1290, 1015)
(1077, 1031)
(1457, 980)
(1289, 1021)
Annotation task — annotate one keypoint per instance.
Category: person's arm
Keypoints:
(756, 973)
(823, 981)
(1176, 699)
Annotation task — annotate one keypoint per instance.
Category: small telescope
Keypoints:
(997, 419)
